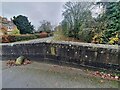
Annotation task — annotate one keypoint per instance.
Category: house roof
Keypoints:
(6, 23)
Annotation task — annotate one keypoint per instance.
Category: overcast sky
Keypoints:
(35, 11)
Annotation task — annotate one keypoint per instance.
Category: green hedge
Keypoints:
(15, 38)
(26, 37)
(21, 37)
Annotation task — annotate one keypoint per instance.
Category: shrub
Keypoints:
(43, 34)
(97, 39)
(23, 37)
(114, 40)
(4, 39)
(37, 35)
(15, 32)
(86, 35)
(14, 38)
(100, 38)
(7, 39)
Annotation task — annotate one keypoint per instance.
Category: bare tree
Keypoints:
(45, 26)
(75, 13)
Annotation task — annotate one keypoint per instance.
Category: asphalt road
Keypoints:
(41, 75)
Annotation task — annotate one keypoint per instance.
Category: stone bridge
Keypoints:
(66, 53)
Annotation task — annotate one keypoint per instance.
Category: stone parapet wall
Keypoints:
(76, 54)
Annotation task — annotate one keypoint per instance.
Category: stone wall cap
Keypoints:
(64, 42)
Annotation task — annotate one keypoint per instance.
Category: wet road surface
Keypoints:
(41, 75)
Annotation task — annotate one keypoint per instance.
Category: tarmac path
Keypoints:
(41, 75)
